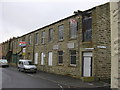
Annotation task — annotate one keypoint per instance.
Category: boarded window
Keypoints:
(60, 31)
(73, 28)
(87, 28)
(72, 56)
(42, 58)
(60, 57)
(50, 58)
(36, 58)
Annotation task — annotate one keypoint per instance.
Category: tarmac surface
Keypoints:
(15, 79)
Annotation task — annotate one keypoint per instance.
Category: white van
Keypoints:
(26, 66)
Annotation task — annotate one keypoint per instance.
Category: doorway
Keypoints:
(87, 64)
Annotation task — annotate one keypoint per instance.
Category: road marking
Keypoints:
(60, 86)
(30, 75)
(49, 80)
(90, 84)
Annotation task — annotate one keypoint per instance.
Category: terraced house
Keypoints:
(78, 45)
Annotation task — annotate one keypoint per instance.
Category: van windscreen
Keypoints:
(28, 63)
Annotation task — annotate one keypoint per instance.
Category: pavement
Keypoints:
(66, 81)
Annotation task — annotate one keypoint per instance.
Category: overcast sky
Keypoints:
(18, 17)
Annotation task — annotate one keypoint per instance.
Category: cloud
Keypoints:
(51, 1)
(21, 17)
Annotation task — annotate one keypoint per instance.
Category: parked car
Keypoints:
(26, 66)
(4, 63)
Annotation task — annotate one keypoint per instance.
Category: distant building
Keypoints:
(0, 51)
(78, 46)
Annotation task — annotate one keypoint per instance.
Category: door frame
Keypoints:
(83, 63)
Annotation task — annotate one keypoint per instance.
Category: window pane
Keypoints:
(43, 38)
(60, 57)
(87, 28)
(61, 28)
(29, 39)
(73, 59)
(50, 34)
(73, 28)
(88, 35)
(60, 52)
(36, 38)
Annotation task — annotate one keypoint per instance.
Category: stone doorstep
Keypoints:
(87, 79)
(117, 78)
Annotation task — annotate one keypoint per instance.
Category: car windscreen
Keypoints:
(3, 61)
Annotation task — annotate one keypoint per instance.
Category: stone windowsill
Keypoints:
(60, 64)
(72, 65)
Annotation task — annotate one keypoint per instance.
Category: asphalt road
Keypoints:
(15, 79)
(12, 78)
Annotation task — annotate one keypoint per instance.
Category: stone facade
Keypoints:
(101, 37)
(115, 42)
(5, 49)
(96, 50)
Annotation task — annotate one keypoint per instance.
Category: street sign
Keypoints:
(22, 44)
(101, 47)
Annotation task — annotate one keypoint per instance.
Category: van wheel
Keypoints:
(24, 70)
(18, 69)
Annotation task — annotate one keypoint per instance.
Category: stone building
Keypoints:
(7, 49)
(0, 51)
(78, 46)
